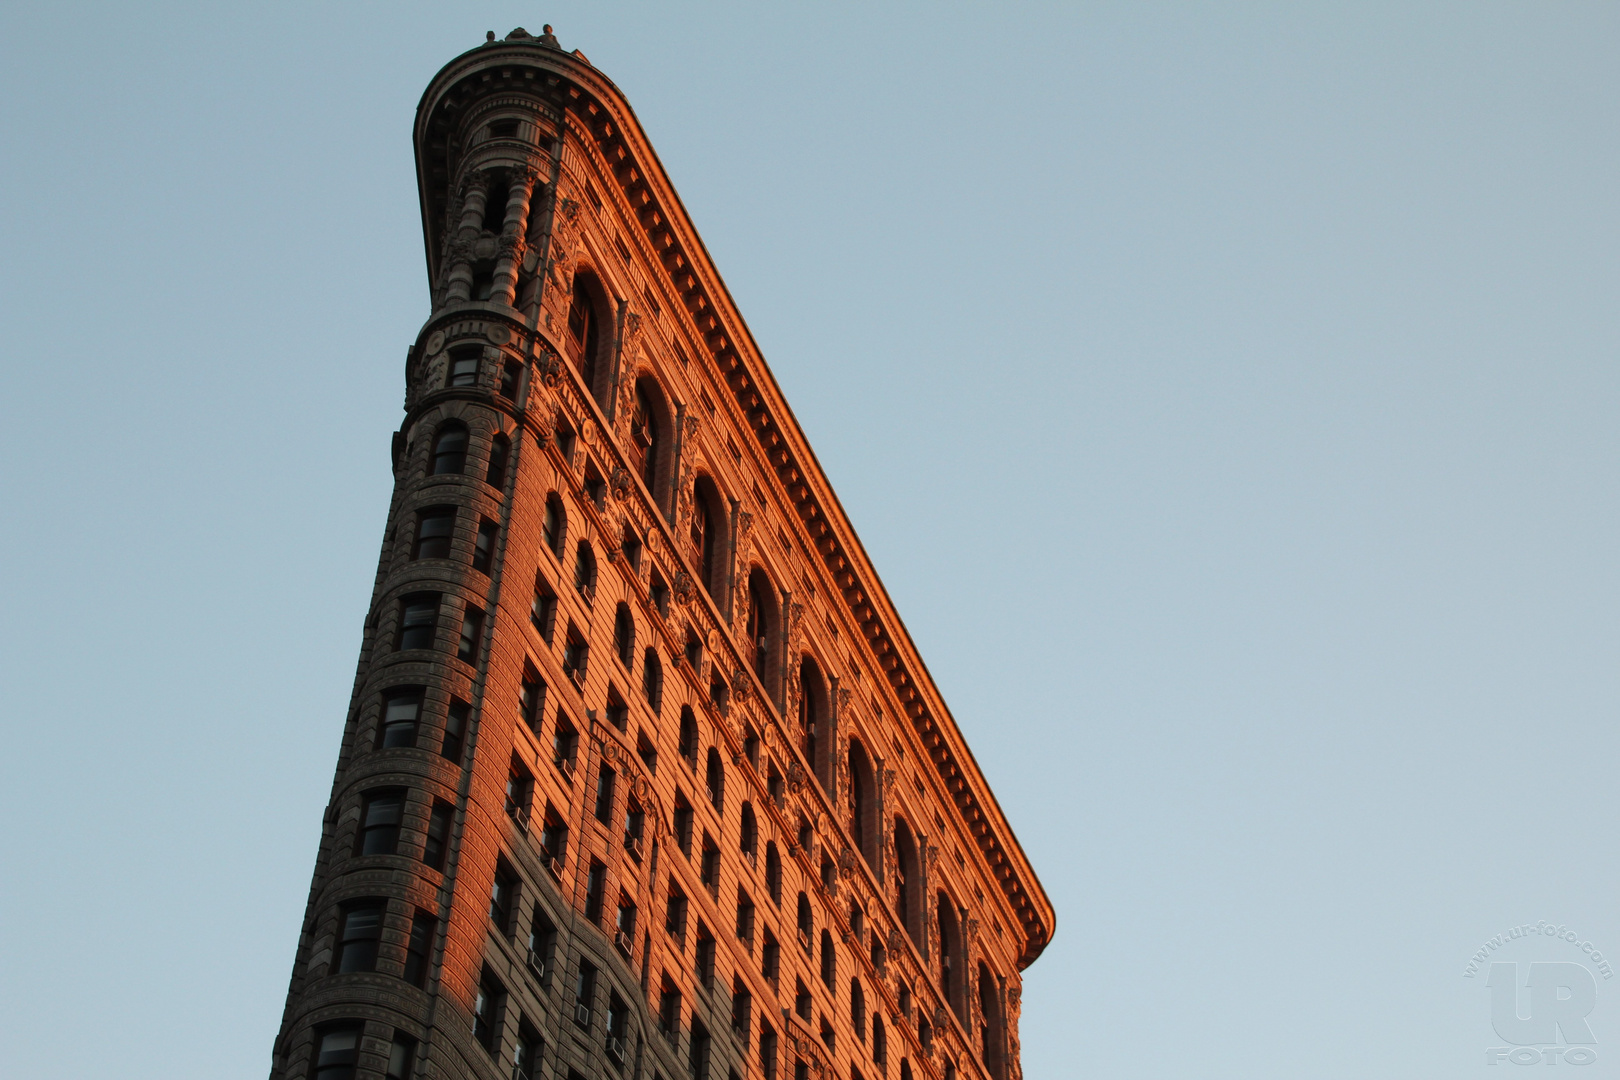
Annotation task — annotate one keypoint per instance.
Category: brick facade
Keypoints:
(680, 677)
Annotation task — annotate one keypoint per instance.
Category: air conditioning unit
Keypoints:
(537, 966)
(632, 844)
(521, 1072)
(615, 1047)
(519, 814)
(582, 1014)
(566, 767)
(624, 942)
(552, 862)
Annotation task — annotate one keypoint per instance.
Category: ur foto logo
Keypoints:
(1539, 1007)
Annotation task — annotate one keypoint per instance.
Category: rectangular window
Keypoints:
(526, 1055)
(543, 612)
(709, 868)
(699, 1060)
(359, 930)
(604, 794)
(584, 994)
(336, 1051)
(519, 793)
(617, 1027)
(703, 966)
(683, 824)
(487, 1010)
(554, 840)
(770, 958)
(437, 843)
(401, 1055)
(745, 920)
(669, 1010)
(455, 729)
(464, 368)
(542, 945)
(419, 948)
(532, 699)
(503, 897)
(742, 1005)
(380, 816)
(767, 1051)
(511, 370)
(576, 654)
(484, 546)
(401, 710)
(435, 528)
(594, 884)
(472, 629)
(418, 619)
(675, 916)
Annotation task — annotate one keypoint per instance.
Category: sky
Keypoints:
(1226, 394)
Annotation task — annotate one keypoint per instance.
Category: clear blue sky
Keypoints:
(1227, 394)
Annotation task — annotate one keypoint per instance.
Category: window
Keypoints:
(644, 439)
(499, 450)
(576, 654)
(801, 999)
(604, 794)
(511, 372)
(379, 822)
(336, 1051)
(751, 747)
(773, 872)
(658, 590)
(683, 824)
(829, 874)
(760, 610)
(687, 746)
(698, 1063)
(773, 784)
(812, 714)
(880, 956)
(484, 546)
(767, 1051)
(675, 913)
(618, 1026)
(709, 871)
(438, 834)
(519, 792)
(715, 781)
(564, 745)
(806, 923)
(526, 1054)
(472, 629)
(719, 693)
(745, 919)
(500, 193)
(543, 612)
(542, 945)
(634, 825)
(359, 930)
(455, 729)
(742, 1008)
(626, 922)
(630, 548)
(503, 896)
(748, 833)
(532, 699)
(827, 1035)
(704, 536)
(400, 711)
(553, 526)
(585, 570)
(618, 713)
(829, 963)
(584, 994)
(857, 1009)
(770, 958)
(435, 527)
(449, 450)
(908, 880)
(563, 435)
(647, 752)
(487, 1010)
(880, 1041)
(624, 636)
(863, 804)
(594, 883)
(694, 651)
(464, 367)
(990, 1026)
(950, 957)
(652, 680)
(584, 335)
(419, 948)
(553, 839)
(418, 618)
(703, 957)
(401, 1055)
(669, 1009)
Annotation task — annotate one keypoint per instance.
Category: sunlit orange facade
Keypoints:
(642, 775)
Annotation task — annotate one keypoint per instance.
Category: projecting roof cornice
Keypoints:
(572, 87)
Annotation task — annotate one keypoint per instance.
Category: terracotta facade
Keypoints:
(642, 775)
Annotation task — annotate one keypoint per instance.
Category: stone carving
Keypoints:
(619, 482)
(846, 862)
(795, 776)
(691, 427)
(740, 686)
(683, 588)
(498, 333)
(843, 700)
(745, 523)
(435, 343)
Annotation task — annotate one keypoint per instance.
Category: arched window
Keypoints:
(806, 922)
(624, 636)
(584, 330)
(652, 680)
(990, 1030)
(495, 475)
(715, 779)
(761, 624)
(863, 804)
(829, 964)
(908, 883)
(905, 1069)
(773, 872)
(951, 960)
(449, 450)
(880, 1040)
(813, 721)
(585, 570)
(706, 539)
(687, 747)
(857, 1009)
(748, 835)
(555, 525)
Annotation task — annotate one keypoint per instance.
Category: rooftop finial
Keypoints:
(489, 35)
(547, 38)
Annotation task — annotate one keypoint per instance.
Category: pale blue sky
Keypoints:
(1226, 394)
